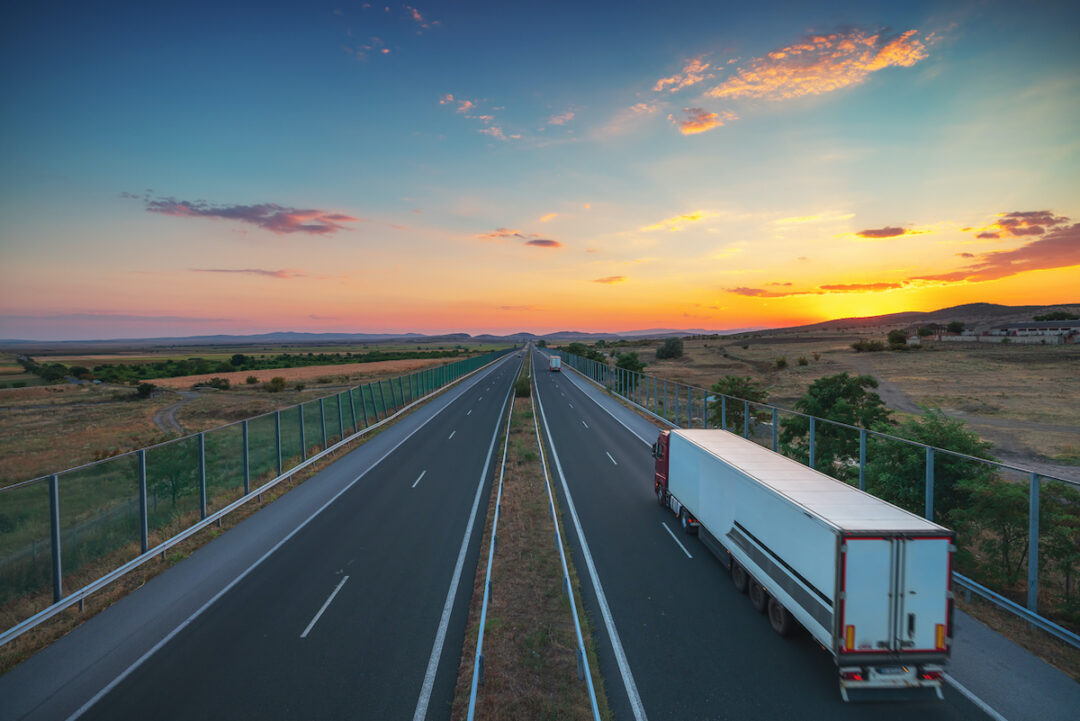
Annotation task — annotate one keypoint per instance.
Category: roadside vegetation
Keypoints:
(530, 663)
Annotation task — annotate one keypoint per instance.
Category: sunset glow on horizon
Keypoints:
(350, 167)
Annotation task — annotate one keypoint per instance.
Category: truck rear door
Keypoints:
(867, 617)
(923, 604)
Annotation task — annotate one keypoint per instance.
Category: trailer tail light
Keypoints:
(851, 675)
(849, 638)
(930, 675)
(939, 637)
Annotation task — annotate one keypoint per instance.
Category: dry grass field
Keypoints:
(1024, 399)
(50, 428)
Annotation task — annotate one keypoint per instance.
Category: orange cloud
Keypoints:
(890, 232)
(692, 73)
(1060, 248)
(698, 120)
(860, 287)
(494, 131)
(678, 222)
(549, 216)
(610, 280)
(821, 64)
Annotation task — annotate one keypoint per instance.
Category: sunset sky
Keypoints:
(488, 167)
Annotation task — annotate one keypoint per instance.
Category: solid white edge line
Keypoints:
(325, 606)
(419, 477)
(611, 458)
(157, 646)
(983, 706)
(440, 636)
(605, 610)
(674, 538)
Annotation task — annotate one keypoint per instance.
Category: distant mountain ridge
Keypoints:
(974, 315)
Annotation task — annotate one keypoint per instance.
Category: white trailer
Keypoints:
(870, 582)
(555, 363)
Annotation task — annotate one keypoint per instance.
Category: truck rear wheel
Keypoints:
(779, 618)
(738, 577)
(758, 598)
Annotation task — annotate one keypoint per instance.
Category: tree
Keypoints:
(997, 520)
(629, 362)
(145, 389)
(925, 331)
(955, 327)
(842, 398)
(275, 384)
(897, 471)
(897, 338)
(1059, 545)
(80, 372)
(541, 343)
(671, 348)
(238, 359)
(737, 389)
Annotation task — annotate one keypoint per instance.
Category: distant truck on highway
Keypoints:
(870, 582)
(555, 363)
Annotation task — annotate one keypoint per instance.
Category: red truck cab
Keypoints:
(660, 485)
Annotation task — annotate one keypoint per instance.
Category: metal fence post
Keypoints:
(929, 483)
(382, 399)
(322, 421)
(340, 419)
(812, 434)
(862, 459)
(352, 411)
(247, 458)
(303, 434)
(144, 525)
(666, 413)
(202, 474)
(705, 407)
(363, 405)
(723, 412)
(746, 419)
(54, 526)
(689, 406)
(775, 430)
(277, 439)
(677, 405)
(1033, 545)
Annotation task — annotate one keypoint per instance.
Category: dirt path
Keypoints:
(166, 420)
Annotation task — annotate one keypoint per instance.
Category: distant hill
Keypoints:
(976, 316)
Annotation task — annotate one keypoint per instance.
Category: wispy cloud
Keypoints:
(544, 243)
(268, 216)
(820, 64)
(1021, 223)
(279, 274)
(692, 73)
(561, 118)
(626, 120)
(678, 222)
(859, 287)
(505, 234)
(549, 216)
(494, 131)
(610, 279)
(699, 120)
(105, 315)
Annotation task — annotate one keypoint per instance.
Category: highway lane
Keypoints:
(260, 652)
(694, 646)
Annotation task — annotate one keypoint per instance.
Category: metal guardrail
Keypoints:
(616, 379)
(442, 378)
(478, 659)
(582, 654)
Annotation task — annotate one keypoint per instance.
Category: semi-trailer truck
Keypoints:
(870, 582)
(555, 363)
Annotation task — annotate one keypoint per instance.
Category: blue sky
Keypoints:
(145, 150)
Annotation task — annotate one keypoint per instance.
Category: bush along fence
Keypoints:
(84, 527)
(1018, 530)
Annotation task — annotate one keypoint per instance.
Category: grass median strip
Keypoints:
(530, 646)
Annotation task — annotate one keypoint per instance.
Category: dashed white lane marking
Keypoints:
(469, 412)
(419, 477)
(674, 538)
(585, 424)
(323, 609)
(610, 458)
(451, 435)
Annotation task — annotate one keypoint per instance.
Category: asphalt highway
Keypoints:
(686, 645)
(357, 614)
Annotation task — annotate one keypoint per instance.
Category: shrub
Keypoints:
(746, 346)
(817, 356)
(897, 338)
(671, 348)
(522, 387)
(144, 390)
(801, 360)
(221, 384)
(251, 380)
(955, 327)
(781, 363)
(925, 331)
(275, 384)
(299, 386)
(868, 346)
